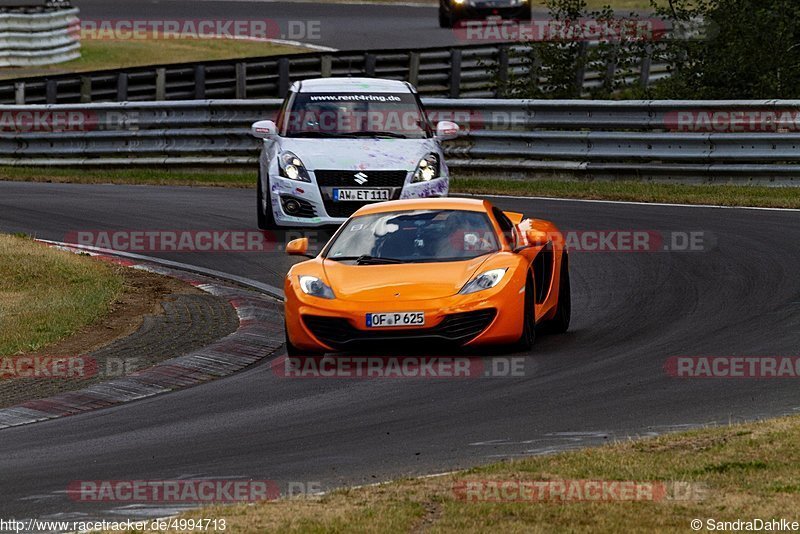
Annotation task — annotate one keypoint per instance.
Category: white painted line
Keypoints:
(287, 42)
(267, 289)
(631, 203)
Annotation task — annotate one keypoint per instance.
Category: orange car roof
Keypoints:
(463, 204)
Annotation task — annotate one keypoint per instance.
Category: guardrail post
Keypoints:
(161, 84)
(19, 93)
(369, 64)
(580, 75)
(535, 68)
(644, 72)
(86, 89)
(199, 82)
(413, 68)
(122, 87)
(241, 80)
(325, 66)
(455, 72)
(611, 70)
(51, 91)
(283, 77)
(502, 71)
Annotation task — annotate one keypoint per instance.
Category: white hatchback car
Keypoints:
(341, 143)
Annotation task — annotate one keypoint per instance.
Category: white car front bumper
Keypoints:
(317, 208)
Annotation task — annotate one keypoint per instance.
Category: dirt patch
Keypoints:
(143, 294)
(155, 318)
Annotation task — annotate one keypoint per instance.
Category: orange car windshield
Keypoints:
(413, 237)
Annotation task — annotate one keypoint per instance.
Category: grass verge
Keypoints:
(537, 4)
(625, 190)
(47, 295)
(720, 194)
(130, 176)
(723, 474)
(114, 54)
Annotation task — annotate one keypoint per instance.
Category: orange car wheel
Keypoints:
(560, 323)
(528, 336)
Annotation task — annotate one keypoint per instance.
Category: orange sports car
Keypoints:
(458, 271)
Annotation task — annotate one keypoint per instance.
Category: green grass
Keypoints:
(47, 295)
(110, 54)
(732, 472)
(723, 194)
(147, 176)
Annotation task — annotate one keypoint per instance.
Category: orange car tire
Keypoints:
(560, 322)
(528, 336)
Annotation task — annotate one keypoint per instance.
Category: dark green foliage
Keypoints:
(719, 49)
(751, 50)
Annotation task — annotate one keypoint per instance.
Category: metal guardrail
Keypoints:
(31, 36)
(595, 137)
(454, 72)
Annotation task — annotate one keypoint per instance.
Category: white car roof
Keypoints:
(351, 85)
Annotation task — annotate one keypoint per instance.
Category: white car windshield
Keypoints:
(369, 115)
(414, 236)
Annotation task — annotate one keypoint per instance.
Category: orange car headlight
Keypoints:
(486, 280)
(311, 285)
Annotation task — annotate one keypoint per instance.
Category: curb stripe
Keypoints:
(259, 335)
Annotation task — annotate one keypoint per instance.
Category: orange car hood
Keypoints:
(413, 281)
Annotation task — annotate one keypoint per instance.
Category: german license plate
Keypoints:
(380, 320)
(361, 195)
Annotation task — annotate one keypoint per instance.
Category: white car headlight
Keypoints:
(291, 167)
(311, 285)
(486, 280)
(428, 169)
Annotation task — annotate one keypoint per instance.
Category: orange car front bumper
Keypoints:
(492, 316)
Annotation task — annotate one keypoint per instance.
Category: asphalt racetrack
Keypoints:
(605, 379)
(333, 25)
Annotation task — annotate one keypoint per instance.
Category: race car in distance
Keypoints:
(342, 143)
(459, 271)
(453, 11)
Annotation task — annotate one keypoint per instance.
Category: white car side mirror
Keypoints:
(446, 130)
(264, 129)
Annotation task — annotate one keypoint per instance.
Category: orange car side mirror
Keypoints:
(537, 238)
(515, 217)
(297, 247)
